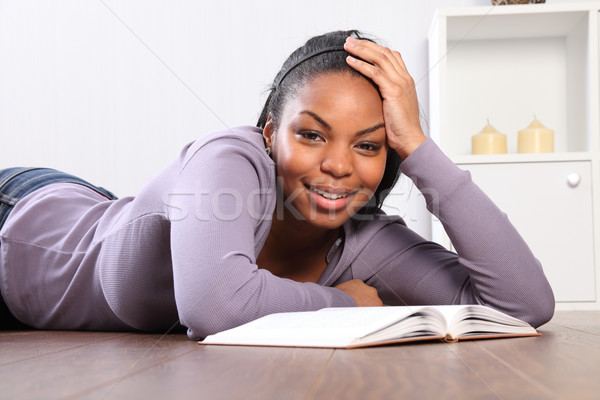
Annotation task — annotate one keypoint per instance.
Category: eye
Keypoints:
(310, 136)
(369, 147)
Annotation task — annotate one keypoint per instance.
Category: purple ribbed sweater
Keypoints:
(186, 246)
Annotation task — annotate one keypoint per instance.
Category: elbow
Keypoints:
(534, 306)
(536, 302)
(197, 329)
(540, 309)
(200, 325)
(210, 317)
(544, 312)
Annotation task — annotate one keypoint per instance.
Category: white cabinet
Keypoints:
(507, 64)
(550, 204)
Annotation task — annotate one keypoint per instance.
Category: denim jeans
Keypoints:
(16, 183)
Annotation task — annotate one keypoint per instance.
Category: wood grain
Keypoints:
(587, 321)
(67, 371)
(25, 345)
(563, 363)
(424, 370)
(227, 372)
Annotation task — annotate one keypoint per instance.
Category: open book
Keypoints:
(370, 326)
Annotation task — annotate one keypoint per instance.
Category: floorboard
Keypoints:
(226, 372)
(563, 363)
(77, 362)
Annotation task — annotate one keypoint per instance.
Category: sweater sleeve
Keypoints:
(492, 265)
(219, 210)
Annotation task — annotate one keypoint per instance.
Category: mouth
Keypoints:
(330, 198)
(331, 193)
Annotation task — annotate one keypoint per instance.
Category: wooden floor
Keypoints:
(564, 363)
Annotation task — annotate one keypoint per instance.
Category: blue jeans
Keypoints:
(16, 183)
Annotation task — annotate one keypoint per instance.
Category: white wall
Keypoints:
(111, 90)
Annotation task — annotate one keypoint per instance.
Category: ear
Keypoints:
(269, 132)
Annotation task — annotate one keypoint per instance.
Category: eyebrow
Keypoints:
(322, 122)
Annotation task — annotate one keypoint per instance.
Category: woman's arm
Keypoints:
(220, 207)
(493, 264)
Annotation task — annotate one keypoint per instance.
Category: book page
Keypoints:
(422, 322)
(474, 319)
(328, 327)
(450, 312)
(360, 326)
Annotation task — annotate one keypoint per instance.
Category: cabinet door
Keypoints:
(550, 203)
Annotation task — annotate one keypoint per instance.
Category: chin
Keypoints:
(325, 214)
(326, 220)
(328, 223)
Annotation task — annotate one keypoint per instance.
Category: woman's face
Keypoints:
(330, 148)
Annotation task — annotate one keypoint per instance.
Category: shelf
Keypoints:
(492, 24)
(522, 158)
(509, 63)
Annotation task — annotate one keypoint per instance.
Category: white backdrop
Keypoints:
(111, 90)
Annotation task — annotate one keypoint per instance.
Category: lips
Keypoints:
(331, 190)
(325, 199)
(329, 194)
(330, 198)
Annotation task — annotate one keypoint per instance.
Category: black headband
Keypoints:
(306, 57)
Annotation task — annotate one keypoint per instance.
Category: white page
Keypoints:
(329, 327)
(449, 311)
(505, 323)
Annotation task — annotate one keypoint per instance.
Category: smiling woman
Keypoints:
(330, 148)
(284, 216)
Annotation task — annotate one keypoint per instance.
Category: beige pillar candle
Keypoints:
(488, 141)
(536, 138)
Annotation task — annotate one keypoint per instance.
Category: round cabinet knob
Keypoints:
(573, 180)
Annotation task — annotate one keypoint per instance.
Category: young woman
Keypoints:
(280, 217)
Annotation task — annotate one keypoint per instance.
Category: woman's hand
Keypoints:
(400, 106)
(363, 294)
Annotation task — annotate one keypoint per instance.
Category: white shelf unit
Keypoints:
(507, 64)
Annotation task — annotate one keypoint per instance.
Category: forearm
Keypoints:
(215, 239)
(502, 270)
(235, 294)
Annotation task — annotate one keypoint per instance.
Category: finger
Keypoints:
(401, 86)
(373, 53)
(400, 60)
(373, 72)
(394, 56)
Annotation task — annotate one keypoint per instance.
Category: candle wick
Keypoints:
(488, 120)
(534, 117)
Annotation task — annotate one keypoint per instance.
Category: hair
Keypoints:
(320, 55)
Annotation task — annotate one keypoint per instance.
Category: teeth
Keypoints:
(330, 196)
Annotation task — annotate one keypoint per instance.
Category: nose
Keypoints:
(337, 162)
